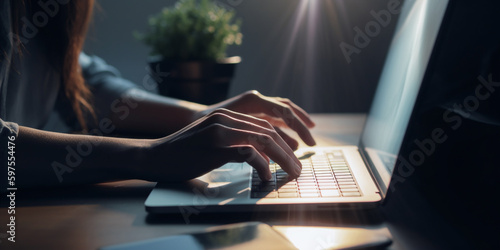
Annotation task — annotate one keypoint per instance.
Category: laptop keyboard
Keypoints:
(323, 175)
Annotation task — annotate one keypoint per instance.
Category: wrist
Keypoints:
(134, 158)
(196, 111)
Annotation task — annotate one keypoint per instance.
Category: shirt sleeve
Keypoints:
(104, 81)
(8, 133)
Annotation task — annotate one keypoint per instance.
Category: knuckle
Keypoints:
(252, 95)
(216, 129)
(248, 151)
(253, 92)
(217, 118)
(222, 110)
(266, 139)
(267, 124)
(218, 111)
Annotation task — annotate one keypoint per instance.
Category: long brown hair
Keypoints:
(62, 38)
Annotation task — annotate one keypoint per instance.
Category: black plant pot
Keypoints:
(205, 82)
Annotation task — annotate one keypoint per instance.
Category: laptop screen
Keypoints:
(400, 81)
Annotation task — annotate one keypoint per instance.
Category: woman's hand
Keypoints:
(224, 136)
(280, 112)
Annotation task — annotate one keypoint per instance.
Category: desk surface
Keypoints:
(88, 217)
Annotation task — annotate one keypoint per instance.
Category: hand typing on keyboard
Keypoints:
(242, 129)
(323, 175)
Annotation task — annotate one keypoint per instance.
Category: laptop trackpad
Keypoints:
(221, 186)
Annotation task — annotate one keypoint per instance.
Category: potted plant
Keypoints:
(189, 41)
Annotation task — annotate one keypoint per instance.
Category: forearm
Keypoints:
(139, 111)
(56, 159)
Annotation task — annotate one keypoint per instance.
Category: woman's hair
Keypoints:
(62, 38)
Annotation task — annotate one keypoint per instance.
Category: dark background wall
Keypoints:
(291, 48)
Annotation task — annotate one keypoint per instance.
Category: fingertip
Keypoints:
(269, 176)
(311, 124)
(311, 141)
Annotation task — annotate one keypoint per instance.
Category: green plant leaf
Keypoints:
(192, 30)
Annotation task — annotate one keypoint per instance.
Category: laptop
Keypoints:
(332, 177)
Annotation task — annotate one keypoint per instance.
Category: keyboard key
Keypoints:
(336, 158)
(309, 195)
(347, 185)
(330, 193)
(349, 190)
(326, 184)
(330, 183)
(305, 181)
(325, 178)
(350, 185)
(288, 195)
(322, 165)
(324, 173)
(338, 164)
(305, 178)
(307, 175)
(281, 177)
(351, 194)
(346, 181)
(343, 177)
(306, 190)
(287, 190)
(341, 172)
(343, 168)
(325, 181)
